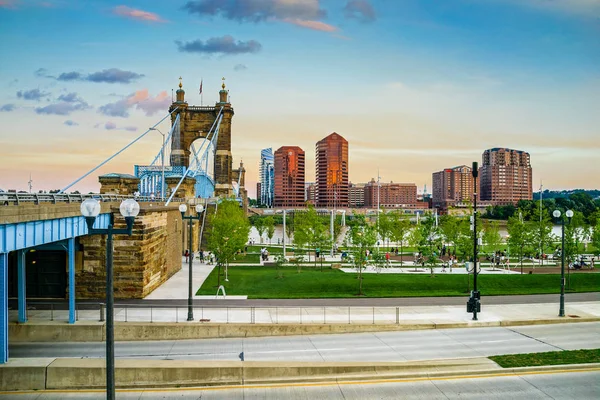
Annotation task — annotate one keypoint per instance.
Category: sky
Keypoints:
(415, 86)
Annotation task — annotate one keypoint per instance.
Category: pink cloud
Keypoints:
(314, 25)
(150, 105)
(127, 12)
(8, 3)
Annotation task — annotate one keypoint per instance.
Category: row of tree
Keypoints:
(581, 202)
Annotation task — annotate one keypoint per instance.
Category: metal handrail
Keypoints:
(314, 314)
(53, 198)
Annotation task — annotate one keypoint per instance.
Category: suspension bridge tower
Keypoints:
(199, 122)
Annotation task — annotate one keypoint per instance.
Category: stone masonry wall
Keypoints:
(141, 262)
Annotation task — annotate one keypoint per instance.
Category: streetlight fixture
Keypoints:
(162, 159)
(474, 305)
(557, 214)
(90, 209)
(199, 210)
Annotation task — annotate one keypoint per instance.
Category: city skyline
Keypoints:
(414, 87)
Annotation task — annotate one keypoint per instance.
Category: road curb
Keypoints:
(76, 374)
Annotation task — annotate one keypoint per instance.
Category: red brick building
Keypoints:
(289, 177)
(332, 172)
(391, 195)
(505, 176)
(452, 186)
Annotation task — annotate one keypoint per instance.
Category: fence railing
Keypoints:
(53, 198)
(49, 311)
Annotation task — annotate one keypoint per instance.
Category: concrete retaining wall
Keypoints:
(137, 331)
(74, 373)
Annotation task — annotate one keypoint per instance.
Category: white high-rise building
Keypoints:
(267, 177)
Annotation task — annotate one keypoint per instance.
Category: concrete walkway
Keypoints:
(176, 288)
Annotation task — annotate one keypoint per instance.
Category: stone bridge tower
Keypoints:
(195, 122)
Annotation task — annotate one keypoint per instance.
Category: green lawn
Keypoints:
(263, 283)
(549, 358)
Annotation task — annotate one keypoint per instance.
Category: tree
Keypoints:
(596, 238)
(384, 227)
(229, 233)
(401, 228)
(430, 242)
(259, 225)
(449, 227)
(520, 236)
(361, 237)
(542, 230)
(415, 238)
(310, 230)
(289, 227)
(491, 236)
(270, 227)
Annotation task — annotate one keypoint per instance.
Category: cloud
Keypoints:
(8, 3)
(111, 75)
(33, 94)
(70, 123)
(219, 45)
(42, 73)
(140, 15)
(67, 104)
(141, 100)
(314, 25)
(7, 108)
(360, 10)
(62, 108)
(239, 67)
(69, 76)
(70, 98)
(110, 126)
(257, 10)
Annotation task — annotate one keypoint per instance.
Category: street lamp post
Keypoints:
(190, 218)
(162, 160)
(474, 301)
(90, 209)
(557, 214)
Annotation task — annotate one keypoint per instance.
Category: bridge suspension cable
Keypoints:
(118, 152)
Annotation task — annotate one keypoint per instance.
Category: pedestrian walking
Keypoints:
(187, 255)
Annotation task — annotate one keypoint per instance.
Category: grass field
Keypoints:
(264, 283)
(549, 358)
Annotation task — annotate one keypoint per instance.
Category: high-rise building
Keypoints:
(452, 186)
(390, 195)
(289, 177)
(267, 177)
(356, 195)
(310, 192)
(332, 172)
(258, 194)
(505, 176)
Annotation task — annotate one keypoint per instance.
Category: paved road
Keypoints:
(361, 302)
(571, 385)
(379, 346)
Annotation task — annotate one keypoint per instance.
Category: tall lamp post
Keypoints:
(190, 218)
(557, 214)
(474, 305)
(162, 160)
(90, 209)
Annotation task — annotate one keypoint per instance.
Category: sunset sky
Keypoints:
(415, 86)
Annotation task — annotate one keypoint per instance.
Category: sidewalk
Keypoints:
(176, 287)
